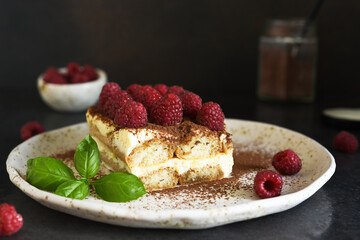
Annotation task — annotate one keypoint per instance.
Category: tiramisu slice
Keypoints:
(161, 155)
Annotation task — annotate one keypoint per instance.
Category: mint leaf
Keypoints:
(47, 173)
(119, 187)
(87, 158)
(78, 189)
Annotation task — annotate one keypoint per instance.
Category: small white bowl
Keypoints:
(71, 97)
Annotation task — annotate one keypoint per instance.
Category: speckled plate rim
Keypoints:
(106, 212)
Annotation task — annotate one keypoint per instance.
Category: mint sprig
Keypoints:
(51, 174)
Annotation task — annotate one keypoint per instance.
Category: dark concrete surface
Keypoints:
(331, 213)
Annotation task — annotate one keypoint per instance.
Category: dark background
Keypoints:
(209, 46)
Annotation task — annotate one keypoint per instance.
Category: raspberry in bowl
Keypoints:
(71, 89)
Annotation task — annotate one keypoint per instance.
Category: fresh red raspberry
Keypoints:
(58, 80)
(31, 129)
(52, 75)
(131, 115)
(346, 142)
(211, 116)
(73, 68)
(135, 90)
(178, 90)
(191, 104)
(90, 72)
(167, 110)
(107, 90)
(10, 220)
(161, 88)
(268, 184)
(116, 102)
(80, 78)
(287, 162)
(149, 97)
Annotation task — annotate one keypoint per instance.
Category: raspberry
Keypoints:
(346, 142)
(268, 184)
(107, 90)
(287, 162)
(116, 102)
(178, 90)
(50, 72)
(211, 116)
(149, 97)
(161, 88)
(58, 80)
(191, 104)
(131, 115)
(10, 220)
(80, 78)
(167, 110)
(90, 72)
(31, 129)
(135, 90)
(52, 75)
(72, 69)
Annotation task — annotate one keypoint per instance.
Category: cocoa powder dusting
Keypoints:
(246, 161)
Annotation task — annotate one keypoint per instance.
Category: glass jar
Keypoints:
(287, 61)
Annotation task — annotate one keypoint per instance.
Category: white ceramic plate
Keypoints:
(162, 211)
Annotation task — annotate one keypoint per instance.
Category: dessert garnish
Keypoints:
(31, 129)
(10, 220)
(164, 105)
(131, 115)
(167, 110)
(50, 174)
(178, 90)
(287, 162)
(268, 184)
(74, 74)
(162, 134)
(191, 104)
(161, 88)
(211, 116)
(346, 142)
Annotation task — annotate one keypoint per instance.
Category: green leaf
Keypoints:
(119, 187)
(87, 158)
(78, 189)
(47, 173)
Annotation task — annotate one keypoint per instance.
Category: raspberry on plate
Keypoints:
(161, 88)
(108, 89)
(191, 103)
(10, 220)
(131, 115)
(167, 110)
(31, 129)
(211, 116)
(346, 142)
(268, 184)
(178, 90)
(287, 162)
